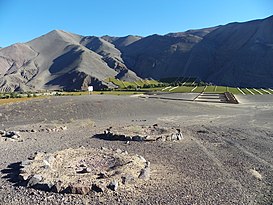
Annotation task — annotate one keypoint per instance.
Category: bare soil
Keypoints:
(225, 157)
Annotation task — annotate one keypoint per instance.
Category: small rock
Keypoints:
(33, 130)
(203, 131)
(3, 133)
(35, 179)
(173, 137)
(50, 159)
(127, 179)
(118, 151)
(137, 138)
(145, 173)
(161, 138)
(26, 162)
(113, 186)
(57, 187)
(79, 189)
(63, 128)
(97, 188)
(148, 138)
(142, 158)
(179, 136)
(83, 170)
(23, 176)
(15, 137)
(46, 163)
(168, 138)
(11, 134)
(102, 175)
(108, 130)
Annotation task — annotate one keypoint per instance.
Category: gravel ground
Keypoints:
(226, 156)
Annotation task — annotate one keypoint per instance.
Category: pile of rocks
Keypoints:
(80, 171)
(142, 133)
(10, 135)
(47, 129)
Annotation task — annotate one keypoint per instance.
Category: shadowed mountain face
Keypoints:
(237, 54)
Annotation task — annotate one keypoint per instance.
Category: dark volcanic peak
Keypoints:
(236, 54)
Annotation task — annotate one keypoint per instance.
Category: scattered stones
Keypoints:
(12, 135)
(141, 133)
(15, 136)
(47, 129)
(79, 171)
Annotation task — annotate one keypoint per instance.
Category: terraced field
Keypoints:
(186, 85)
(214, 89)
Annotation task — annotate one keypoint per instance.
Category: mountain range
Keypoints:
(236, 54)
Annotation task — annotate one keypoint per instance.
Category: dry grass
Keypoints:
(13, 100)
(16, 100)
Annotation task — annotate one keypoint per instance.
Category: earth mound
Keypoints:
(80, 171)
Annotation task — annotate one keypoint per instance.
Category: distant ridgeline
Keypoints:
(233, 55)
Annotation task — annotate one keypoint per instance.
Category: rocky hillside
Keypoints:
(61, 60)
(237, 54)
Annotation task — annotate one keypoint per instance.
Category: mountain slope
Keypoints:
(236, 54)
(57, 60)
(159, 56)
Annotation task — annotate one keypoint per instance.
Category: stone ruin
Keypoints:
(10, 135)
(16, 135)
(81, 171)
(141, 133)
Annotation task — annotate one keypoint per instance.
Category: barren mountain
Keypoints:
(237, 54)
(60, 60)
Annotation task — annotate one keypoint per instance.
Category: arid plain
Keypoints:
(225, 157)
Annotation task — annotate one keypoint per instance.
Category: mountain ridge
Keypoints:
(236, 54)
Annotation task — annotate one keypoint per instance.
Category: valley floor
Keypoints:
(226, 156)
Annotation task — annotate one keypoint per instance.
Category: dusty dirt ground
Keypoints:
(226, 156)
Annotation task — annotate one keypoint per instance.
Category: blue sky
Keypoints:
(23, 20)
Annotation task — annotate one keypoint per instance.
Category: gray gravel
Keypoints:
(213, 164)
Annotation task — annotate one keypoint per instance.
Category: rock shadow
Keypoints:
(11, 173)
(111, 137)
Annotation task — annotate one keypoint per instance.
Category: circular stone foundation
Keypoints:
(81, 170)
(142, 133)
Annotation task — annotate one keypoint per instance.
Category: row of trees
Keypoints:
(16, 95)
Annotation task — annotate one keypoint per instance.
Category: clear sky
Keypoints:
(23, 20)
